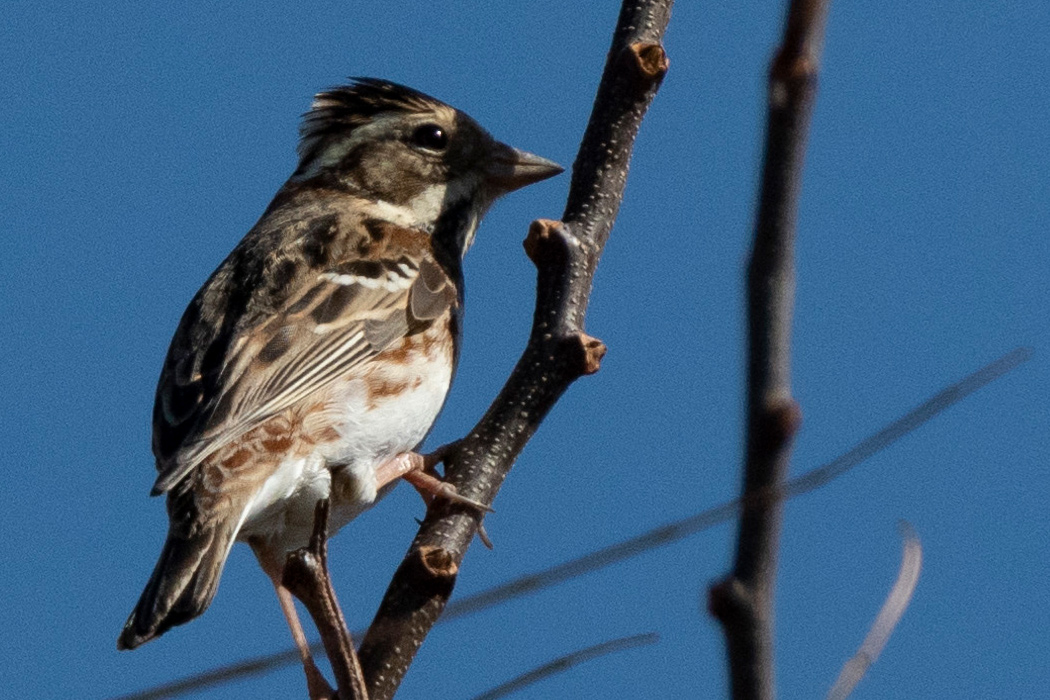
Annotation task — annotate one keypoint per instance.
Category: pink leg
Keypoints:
(419, 471)
(316, 684)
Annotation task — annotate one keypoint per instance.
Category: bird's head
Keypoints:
(420, 160)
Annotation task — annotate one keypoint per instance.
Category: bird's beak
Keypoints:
(511, 169)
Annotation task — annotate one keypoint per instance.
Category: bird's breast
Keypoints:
(389, 409)
(383, 408)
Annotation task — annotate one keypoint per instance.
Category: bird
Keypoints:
(315, 359)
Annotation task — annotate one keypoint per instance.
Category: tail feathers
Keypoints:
(181, 587)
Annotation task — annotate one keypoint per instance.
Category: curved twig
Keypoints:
(887, 619)
(558, 351)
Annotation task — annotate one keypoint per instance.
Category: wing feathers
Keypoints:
(431, 292)
(347, 315)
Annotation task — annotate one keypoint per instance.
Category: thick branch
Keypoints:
(743, 602)
(558, 351)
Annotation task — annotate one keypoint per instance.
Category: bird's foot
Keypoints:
(421, 471)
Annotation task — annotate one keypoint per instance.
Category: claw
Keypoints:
(484, 537)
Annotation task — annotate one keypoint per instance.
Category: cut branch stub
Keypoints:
(438, 562)
(540, 244)
(433, 569)
(554, 250)
(650, 62)
(589, 352)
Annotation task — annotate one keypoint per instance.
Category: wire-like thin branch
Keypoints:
(564, 663)
(558, 351)
(640, 544)
(743, 602)
(929, 408)
(887, 619)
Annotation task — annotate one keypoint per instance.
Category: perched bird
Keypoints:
(320, 352)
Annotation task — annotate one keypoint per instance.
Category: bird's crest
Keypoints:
(339, 110)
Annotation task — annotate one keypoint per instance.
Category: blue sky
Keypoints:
(141, 141)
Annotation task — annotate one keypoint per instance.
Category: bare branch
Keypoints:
(558, 351)
(306, 576)
(564, 663)
(937, 403)
(887, 619)
(640, 544)
(743, 602)
(219, 676)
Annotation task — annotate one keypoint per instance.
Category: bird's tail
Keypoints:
(182, 585)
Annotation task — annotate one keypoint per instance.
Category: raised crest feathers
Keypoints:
(339, 110)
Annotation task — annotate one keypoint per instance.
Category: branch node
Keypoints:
(784, 418)
(790, 66)
(727, 598)
(537, 243)
(650, 62)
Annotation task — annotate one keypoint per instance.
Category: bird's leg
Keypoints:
(420, 471)
(316, 684)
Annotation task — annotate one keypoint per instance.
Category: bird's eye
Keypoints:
(430, 136)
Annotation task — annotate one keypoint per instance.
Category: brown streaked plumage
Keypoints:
(323, 347)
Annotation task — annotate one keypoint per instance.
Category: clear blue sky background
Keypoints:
(142, 140)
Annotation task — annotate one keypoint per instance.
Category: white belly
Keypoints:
(372, 429)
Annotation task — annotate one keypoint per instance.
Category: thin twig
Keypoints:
(929, 408)
(743, 602)
(558, 351)
(564, 663)
(640, 544)
(219, 676)
(887, 619)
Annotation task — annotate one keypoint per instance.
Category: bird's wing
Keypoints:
(346, 315)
